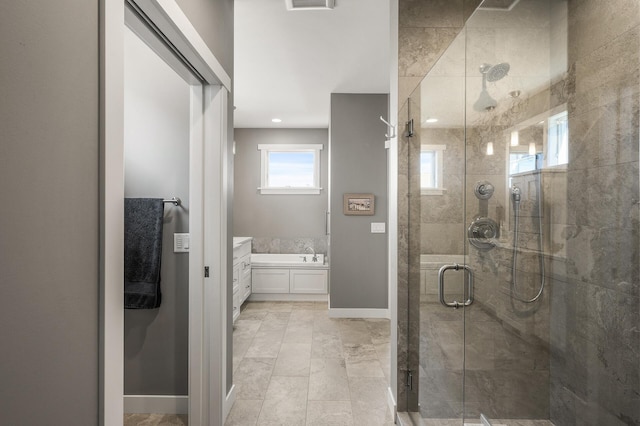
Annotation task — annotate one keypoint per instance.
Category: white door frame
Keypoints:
(208, 198)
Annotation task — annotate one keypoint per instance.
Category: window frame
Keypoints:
(265, 149)
(438, 150)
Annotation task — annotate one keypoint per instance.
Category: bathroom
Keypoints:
(550, 334)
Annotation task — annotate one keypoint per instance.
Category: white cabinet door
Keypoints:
(270, 281)
(308, 281)
(245, 277)
(236, 305)
(236, 292)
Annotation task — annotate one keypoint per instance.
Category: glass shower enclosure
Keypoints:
(524, 214)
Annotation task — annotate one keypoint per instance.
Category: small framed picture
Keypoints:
(359, 204)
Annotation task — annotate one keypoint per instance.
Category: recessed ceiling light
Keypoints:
(431, 120)
(276, 120)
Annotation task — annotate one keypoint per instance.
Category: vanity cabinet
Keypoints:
(241, 273)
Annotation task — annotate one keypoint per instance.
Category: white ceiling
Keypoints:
(287, 63)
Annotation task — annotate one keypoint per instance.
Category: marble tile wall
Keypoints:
(442, 216)
(572, 357)
(595, 344)
(288, 245)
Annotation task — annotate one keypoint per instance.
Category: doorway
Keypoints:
(164, 29)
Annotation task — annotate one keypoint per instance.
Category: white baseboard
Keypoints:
(284, 297)
(160, 404)
(228, 402)
(393, 407)
(358, 313)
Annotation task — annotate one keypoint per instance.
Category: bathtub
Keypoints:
(430, 264)
(289, 277)
(287, 260)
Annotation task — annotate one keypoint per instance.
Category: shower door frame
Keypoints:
(208, 399)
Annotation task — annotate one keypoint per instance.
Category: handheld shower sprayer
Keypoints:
(515, 193)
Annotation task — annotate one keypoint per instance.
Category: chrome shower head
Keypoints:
(498, 72)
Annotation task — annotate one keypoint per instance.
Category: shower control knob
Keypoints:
(483, 232)
(484, 190)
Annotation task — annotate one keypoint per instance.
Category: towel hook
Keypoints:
(391, 127)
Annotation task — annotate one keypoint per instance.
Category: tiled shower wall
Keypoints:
(581, 346)
(595, 314)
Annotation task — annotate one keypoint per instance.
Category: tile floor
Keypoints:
(155, 420)
(293, 365)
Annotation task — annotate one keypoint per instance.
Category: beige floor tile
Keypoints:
(284, 388)
(334, 367)
(244, 413)
(252, 377)
(282, 413)
(359, 351)
(298, 332)
(370, 390)
(364, 368)
(368, 414)
(328, 388)
(280, 306)
(266, 344)
(329, 413)
(293, 360)
(326, 345)
(155, 420)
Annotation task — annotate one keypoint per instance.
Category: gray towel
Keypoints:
(142, 252)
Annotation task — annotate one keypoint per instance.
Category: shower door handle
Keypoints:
(455, 304)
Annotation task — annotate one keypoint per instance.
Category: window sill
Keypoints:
(289, 191)
(432, 191)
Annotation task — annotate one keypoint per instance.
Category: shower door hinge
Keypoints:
(409, 379)
(206, 272)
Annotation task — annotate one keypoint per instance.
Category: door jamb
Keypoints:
(168, 17)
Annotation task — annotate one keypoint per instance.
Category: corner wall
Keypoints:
(358, 258)
(49, 216)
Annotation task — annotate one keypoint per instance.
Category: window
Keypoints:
(290, 169)
(558, 133)
(431, 159)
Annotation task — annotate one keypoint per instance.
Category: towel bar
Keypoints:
(174, 200)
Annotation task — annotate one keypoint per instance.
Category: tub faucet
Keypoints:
(315, 256)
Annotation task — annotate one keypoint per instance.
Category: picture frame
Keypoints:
(358, 204)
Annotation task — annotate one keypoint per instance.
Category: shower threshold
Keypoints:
(412, 419)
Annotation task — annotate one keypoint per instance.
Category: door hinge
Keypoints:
(409, 379)
(206, 272)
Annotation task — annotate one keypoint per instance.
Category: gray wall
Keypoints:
(273, 219)
(358, 274)
(156, 122)
(49, 234)
(49, 214)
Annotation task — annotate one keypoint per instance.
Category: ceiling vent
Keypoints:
(310, 4)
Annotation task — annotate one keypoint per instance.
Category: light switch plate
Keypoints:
(181, 243)
(378, 227)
